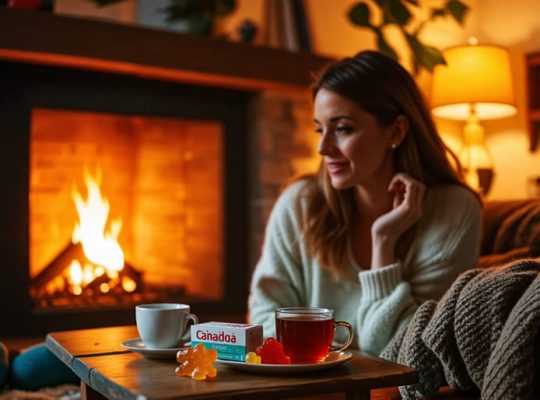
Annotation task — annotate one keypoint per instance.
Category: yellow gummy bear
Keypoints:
(253, 358)
(196, 362)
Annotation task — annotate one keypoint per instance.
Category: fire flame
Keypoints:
(100, 246)
(104, 262)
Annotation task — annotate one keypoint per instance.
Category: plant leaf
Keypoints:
(225, 7)
(201, 24)
(426, 56)
(398, 12)
(360, 15)
(415, 67)
(438, 12)
(457, 9)
(384, 47)
(179, 9)
(197, 10)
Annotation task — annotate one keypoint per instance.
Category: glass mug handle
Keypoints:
(347, 343)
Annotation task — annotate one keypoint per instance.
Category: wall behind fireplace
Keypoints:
(283, 147)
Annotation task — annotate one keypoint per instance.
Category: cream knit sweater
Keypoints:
(376, 302)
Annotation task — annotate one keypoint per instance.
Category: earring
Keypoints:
(394, 146)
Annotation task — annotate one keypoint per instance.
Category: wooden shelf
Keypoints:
(533, 97)
(45, 38)
(534, 115)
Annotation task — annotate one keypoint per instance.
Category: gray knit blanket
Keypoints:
(481, 336)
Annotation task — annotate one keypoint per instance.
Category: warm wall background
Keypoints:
(511, 23)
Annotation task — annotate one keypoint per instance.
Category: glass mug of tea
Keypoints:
(307, 333)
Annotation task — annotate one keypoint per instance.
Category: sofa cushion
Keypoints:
(37, 367)
(511, 224)
(492, 260)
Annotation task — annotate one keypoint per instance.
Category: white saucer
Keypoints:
(137, 345)
(333, 359)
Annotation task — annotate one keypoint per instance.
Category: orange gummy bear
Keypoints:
(196, 362)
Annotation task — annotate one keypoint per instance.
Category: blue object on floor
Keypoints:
(3, 365)
(37, 367)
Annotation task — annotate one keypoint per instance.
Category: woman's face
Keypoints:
(356, 150)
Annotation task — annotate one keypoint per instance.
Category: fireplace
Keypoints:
(186, 142)
(144, 226)
(153, 174)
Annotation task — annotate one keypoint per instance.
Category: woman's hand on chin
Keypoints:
(408, 195)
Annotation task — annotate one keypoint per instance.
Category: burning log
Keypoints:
(132, 273)
(91, 271)
(59, 268)
(56, 267)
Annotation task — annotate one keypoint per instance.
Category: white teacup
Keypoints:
(162, 325)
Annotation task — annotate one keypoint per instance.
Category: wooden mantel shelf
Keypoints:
(45, 38)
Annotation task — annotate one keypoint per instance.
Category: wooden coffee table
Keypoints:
(107, 370)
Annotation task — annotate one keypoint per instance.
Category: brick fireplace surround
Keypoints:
(267, 88)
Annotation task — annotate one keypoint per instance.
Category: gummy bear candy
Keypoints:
(196, 362)
(271, 352)
(253, 358)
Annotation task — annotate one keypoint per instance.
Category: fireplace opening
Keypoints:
(158, 171)
(124, 209)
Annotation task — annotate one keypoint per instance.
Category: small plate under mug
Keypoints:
(333, 359)
(137, 345)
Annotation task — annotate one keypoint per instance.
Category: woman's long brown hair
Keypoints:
(383, 88)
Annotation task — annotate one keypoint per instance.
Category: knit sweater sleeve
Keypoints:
(447, 243)
(278, 279)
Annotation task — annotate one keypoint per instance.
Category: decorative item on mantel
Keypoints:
(476, 84)
(41, 5)
(188, 16)
(287, 25)
(247, 30)
(398, 12)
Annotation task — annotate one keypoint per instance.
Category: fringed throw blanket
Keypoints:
(482, 335)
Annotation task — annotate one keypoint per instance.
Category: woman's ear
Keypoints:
(399, 130)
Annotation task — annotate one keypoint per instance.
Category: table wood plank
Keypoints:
(87, 342)
(128, 376)
(70, 346)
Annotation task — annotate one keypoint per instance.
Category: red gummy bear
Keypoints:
(271, 352)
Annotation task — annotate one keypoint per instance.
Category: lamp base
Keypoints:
(481, 180)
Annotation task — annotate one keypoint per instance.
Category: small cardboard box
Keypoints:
(231, 341)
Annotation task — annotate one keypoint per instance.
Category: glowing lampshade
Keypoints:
(476, 84)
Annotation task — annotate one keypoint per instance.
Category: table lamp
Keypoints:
(476, 84)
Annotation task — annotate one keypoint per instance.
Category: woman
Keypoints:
(387, 222)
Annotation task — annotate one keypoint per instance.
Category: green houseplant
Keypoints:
(404, 15)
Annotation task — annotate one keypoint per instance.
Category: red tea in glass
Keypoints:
(307, 333)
